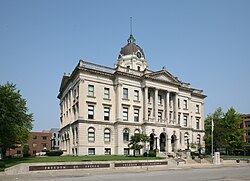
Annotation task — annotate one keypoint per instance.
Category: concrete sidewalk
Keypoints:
(105, 171)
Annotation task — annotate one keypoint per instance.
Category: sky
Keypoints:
(205, 43)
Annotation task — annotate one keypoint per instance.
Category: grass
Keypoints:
(14, 161)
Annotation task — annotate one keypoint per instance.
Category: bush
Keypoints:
(152, 153)
(145, 154)
(55, 153)
(2, 164)
(25, 155)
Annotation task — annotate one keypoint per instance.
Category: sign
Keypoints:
(136, 164)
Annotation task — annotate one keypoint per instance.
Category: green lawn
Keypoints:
(14, 161)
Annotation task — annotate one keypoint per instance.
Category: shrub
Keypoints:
(55, 153)
(145, 154)
(152, 153)
(2, 164)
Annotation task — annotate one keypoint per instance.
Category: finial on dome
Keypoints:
(131, 38)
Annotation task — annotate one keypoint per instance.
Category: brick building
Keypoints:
(246, 127)
(38, 142)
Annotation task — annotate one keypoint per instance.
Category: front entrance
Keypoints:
(163, 142)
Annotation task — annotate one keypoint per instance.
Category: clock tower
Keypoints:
(131, 56)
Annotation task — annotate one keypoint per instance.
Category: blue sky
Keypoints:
(205, 43)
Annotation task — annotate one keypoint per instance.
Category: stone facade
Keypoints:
(101, 107)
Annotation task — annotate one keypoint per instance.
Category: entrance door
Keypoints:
(162, 142)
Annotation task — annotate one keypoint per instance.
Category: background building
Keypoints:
(246, 127)
(101, 107)
(55, 138)
(38, 142)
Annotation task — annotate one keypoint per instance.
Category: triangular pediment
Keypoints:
(163, 76)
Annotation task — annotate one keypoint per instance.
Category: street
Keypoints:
(175, 174)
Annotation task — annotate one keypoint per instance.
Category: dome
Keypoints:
(131, 48)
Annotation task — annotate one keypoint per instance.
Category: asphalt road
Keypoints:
(187, 174)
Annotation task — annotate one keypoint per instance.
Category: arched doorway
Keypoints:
(173, 143)
(163, 142)
(152, 141)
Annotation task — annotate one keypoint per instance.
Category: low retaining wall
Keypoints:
(25, 168)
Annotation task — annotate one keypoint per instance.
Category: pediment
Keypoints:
(164, 76)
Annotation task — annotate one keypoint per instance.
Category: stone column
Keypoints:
(145, 110)
(175, 108)
(118, 102)
(167, 107)
(156, 105)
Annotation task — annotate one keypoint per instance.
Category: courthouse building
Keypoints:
(101, 107)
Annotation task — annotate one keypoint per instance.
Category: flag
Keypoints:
(212, 125)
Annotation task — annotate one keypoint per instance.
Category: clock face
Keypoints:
(138, 54)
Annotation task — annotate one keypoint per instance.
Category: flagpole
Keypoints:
(212, 139)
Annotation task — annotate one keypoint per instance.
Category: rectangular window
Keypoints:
(44, 145)
(45, 138)
(34, 152)
(197, 123)
(125, 114)
(106, 113)
(197, 108)
(106, 136)
(185, 121)
(91, 90)
(179, 104)
(90, 112)
(136, 95)
(125, 93)
(159, 116)
(149, 113)
(18, 152)
(106, 93)
(185, 105)
(247, 124)
(126, 151)
(136, 115)
(148, 97)
(159, 99)
(91, 151)
(179, 118)
(107, 151)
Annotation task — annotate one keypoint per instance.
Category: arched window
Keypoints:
(186, 138)
(91, 134)
(198, 139)
(126, 134)
(106, 135)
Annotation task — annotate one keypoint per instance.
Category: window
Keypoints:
(197, 108)
(106, 113)
(179, 105)
(126, 151)
(125, 93)
(125, 114)
(91, 90)
(247, 124)
(34, 145)
(18, 152)
(34, 152)
(106, 93)
(44, 145)
(185, 121)
(90, 112)
(149, 113)
(179, 118)
(136, 115)
(91, 134)
(186, 138)
(198, 139)
(107, 151)
(139, 68)
(197, 123)
(106, 135)
(136, 95)
(159, 116)
(159, 99)
(148, 97)
(126, 135)
(185, 106)
(91, 151)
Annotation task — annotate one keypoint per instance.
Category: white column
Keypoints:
(156, 105)
(167, 107)
(145, 110)
(118, 102)
(176, 108)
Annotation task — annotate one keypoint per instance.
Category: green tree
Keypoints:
(15, 122)
(26, 150)
(138, 141)
(227, 132)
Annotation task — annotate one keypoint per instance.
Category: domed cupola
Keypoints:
(132, 56)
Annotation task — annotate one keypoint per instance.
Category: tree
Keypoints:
(15, 122)
(138, 141)
(227, 132)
